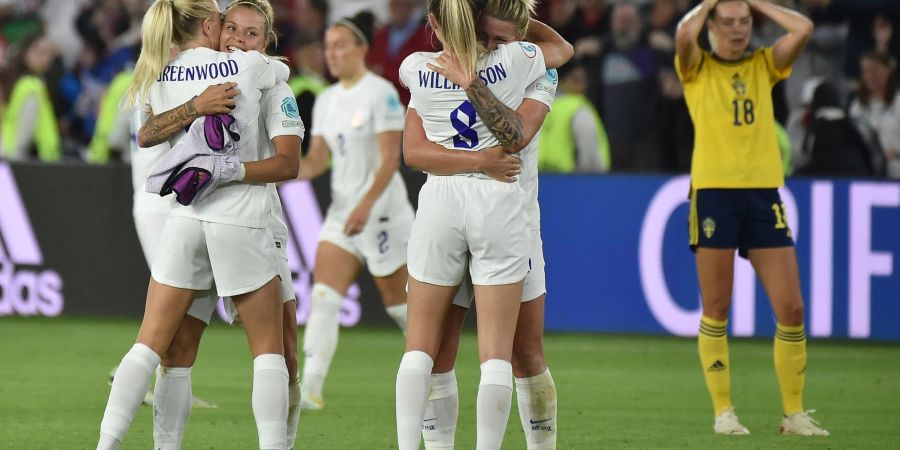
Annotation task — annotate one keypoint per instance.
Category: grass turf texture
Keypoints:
(614, 391)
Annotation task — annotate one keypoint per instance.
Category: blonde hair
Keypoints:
(167, 23)
(456, 19)
(265, 9)
(517, 12)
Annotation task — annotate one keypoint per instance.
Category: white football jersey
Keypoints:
(188, 75)
(349, 120)
(143, 160)
(449, 118)
(542, 90)
(279, 116)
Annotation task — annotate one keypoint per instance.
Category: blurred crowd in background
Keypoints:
(840, 112)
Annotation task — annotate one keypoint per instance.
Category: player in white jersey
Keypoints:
(501, 22)
(150, 211)
(466, 218)
(358, 121)
(222, 239)
(247, 26)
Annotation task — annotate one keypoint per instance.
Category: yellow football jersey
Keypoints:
(735, 145)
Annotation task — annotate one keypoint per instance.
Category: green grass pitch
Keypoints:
(614, 391)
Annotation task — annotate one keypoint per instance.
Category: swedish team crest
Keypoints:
(709, 227)
(740, 88)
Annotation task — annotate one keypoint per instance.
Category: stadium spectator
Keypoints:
(858, 16)
(586, 27)
(573, 138)
(878, 105)
(345, 8)
(29, 124)
(113, 130)
(311, 17)
(308, 80)
(628, 92)
(404, 34)
(823, 58)
(833, 144)
(674, 129)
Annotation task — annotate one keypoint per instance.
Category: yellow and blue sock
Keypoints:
(712, 343)
(790, 366)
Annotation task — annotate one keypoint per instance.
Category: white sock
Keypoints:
(320, 337)
(398, 313)
(293, 418)
(494, 398)
(270, 400)
(413, 378)
(128, 389)
(171, 406)
(441, 412)
(537, 409)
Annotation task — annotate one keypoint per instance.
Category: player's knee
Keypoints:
(716, 307)
(528, 362)
(181, 353)
(793, 314)
(392, 297)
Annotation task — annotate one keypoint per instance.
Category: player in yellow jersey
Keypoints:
(735, 175)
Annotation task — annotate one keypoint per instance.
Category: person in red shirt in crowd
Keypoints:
(404, 34)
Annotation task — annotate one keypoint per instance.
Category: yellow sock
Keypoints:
(713, 345)
(790, 366)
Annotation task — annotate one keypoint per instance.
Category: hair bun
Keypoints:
(365, 21)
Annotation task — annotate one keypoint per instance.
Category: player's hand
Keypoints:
(357, 220)
(448, 65)
(500, 165)
(216, 99)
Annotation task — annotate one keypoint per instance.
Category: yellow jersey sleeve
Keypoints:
(730, 103)
(691, 75)
(775, 75)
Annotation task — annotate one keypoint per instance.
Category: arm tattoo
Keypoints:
(161, 128)
(503, 122)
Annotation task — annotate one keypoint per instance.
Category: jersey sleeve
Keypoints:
(262, 69)
(318, 115)
(404, 72)
(526, 59)
(388, 110)
(775, 75)
(691, 75)
(281, 114)
(544, 89)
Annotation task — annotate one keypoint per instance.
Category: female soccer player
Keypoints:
(223, 239)
(501, 22)
(735, 175)
(466, 218)
(248, 25)
(358, 120)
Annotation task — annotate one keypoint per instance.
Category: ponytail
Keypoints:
(167, 23)
(456, 19)
(156, 41)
